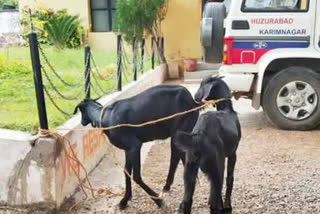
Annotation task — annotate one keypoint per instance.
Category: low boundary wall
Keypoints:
(35, 170)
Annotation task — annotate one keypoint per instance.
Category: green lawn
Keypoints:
(17, 95)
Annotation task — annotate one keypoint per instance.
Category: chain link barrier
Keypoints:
(54, 103)
(74, 97)
(44, 56)
(97, 70)
(99, 90)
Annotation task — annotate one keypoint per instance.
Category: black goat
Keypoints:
(154, 103)
(215, 136)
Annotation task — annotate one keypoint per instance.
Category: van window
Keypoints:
(275, 5)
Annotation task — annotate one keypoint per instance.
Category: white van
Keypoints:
(271, 54)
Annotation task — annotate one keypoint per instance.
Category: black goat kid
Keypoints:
(154, 103)
(215, 137)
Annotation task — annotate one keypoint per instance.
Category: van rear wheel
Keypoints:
(212, 32)
(291, 99)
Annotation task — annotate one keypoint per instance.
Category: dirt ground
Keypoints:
(276, 172)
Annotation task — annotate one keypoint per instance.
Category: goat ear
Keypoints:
(221, 77)
(207, 90)
(75, 110)
(183, 141)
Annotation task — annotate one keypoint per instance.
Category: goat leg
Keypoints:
(216, 180)
(136, 162)
(174, 161)
(230, 173)
(128, 193)
(190, 177)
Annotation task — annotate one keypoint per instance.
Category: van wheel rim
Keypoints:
(297, 100)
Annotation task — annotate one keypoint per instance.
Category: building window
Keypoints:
(102, 14)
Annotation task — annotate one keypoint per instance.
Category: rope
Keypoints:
(95, 193)
(107, 192)
(206, 103)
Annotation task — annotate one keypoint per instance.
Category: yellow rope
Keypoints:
(206, 103)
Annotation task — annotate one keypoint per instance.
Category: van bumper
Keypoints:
(237, 81)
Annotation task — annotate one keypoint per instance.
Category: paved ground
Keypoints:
(276, 172)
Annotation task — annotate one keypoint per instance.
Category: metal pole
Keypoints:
(152, 52)
(36, 67)
(142, 54)
(87, 71)
(119, 62)
(158, 49)
(134, 61)
(162, 49)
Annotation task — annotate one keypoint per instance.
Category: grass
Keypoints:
(18, 108)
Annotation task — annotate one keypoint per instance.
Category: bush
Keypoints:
(136, 17)
(61, 29)
(13, 68)
(9, 4)
(43, 20)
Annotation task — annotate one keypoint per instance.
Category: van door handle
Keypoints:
(240, 25)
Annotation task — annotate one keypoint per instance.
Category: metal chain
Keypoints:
(99, 86)
(96, 70)
(157, 41)
(74, 97)
(125, 55)
(96, 92)
(103, 94)
(56, 105)
(55, 72)
(125, 69)
(110, 76)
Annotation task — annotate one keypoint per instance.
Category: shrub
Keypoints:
(43, 21)
(13, 68)
(136, 17)
(60, 29)
(11, 4)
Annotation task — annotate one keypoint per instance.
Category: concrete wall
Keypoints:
(37, 170)
(181, 30)
(10, 28)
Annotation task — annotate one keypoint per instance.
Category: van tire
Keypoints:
(278, 84)
(213, 53)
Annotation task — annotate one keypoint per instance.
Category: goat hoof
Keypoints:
(185, 208)
(181, 207)
(123, 204)
(159, 202)
(214, 211)
(227, 210)
(166, 188)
